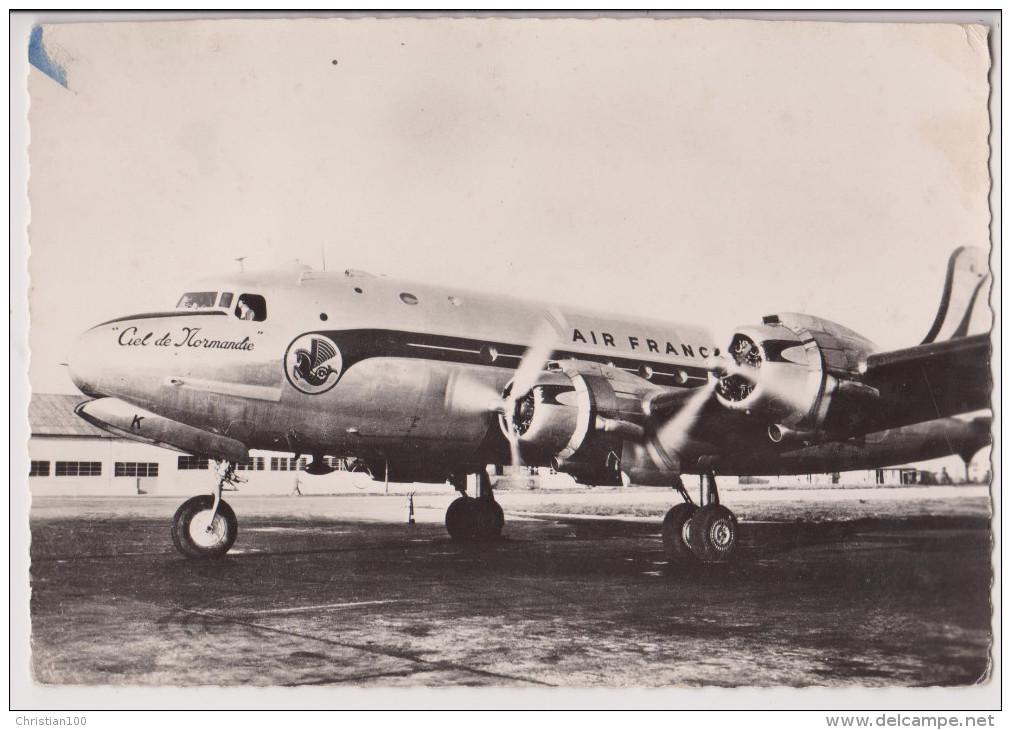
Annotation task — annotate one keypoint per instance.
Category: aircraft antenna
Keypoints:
(322, 252)
(242, 268)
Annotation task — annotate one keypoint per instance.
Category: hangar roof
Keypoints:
(52, 414)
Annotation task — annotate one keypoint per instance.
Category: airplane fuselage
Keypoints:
(357, 365)
(415, 370)
(433, 384)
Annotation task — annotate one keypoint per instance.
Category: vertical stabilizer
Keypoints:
(965, 309)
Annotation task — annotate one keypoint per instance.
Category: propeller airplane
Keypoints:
(432, 385)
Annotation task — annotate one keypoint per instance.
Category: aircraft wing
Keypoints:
(933, 380)
(798, 388)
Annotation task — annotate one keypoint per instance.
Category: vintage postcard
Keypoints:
(508, 353)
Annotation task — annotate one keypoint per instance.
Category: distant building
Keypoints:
(895, 475)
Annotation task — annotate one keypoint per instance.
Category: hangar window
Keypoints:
(78, 468)
(191, 462)
(335, 462)
(279, 464)
(252, 307)
(135, 469)
(198, 300)
(253, 464)
(39, 469)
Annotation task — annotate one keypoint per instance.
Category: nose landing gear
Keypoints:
(205, 526)
(474, 519)
(708, 533)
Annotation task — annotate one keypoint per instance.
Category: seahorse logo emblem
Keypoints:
(313, 364)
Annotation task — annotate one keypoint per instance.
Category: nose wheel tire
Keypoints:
(196, 535)
(674, 541)
(712, 533)
(474, 520)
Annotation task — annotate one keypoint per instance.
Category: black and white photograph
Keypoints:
(490, 352)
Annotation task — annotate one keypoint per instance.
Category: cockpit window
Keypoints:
(226, 300)
(198, 300)
(252, 307)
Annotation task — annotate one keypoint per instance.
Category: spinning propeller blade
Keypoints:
(534, 360)
(672, 435)
(671, 438)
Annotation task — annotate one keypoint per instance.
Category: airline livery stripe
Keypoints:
(441, 347)
(364, 344)
(162, 315)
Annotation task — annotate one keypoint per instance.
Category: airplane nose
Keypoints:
(86, 363)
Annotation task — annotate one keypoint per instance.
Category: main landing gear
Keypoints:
(205, 526)
(474, 519)
(708, 533)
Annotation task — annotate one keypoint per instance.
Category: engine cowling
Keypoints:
(575, 417)
(789, 370)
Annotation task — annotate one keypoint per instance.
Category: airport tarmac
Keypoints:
(886, 587)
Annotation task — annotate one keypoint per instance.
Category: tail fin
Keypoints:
(964, 309)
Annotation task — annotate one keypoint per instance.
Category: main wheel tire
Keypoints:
(489, 520)
(190, 531)
(461, 522)
(674, 541)
(469, 519)
(712, 533)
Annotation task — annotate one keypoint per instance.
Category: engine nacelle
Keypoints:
(788, 369)
(550, 420)
(575, 416)
(591, 474)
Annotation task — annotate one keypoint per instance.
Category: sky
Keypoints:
(693, 170)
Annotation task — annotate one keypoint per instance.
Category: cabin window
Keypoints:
(252, 307)
(226, 300)
(198, 300)
(408, 298)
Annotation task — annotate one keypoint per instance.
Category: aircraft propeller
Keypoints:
(531, 365)
(671, 436)
(472, 395)
(733, 377)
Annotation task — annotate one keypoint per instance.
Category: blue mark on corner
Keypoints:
(39, 57)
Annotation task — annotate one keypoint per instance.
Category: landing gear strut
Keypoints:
(708, 533)
(474, 519)
(205, 526)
